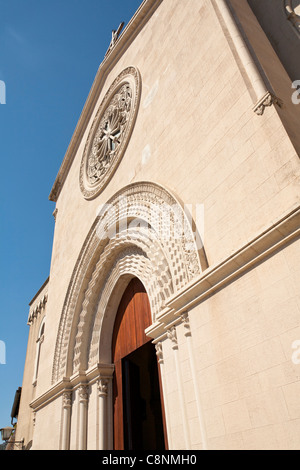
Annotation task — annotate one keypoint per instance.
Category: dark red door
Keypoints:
(138, 416)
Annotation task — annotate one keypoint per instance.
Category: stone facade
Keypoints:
(203, 145)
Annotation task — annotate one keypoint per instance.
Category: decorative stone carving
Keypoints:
(110, 132)
(83, 393)
(186, 324)
(172, 335)
(67, 399)
(102, 387)
(37, 308)
(292, 9)
(268, 100)
(162, 256)
(159, 352)
(131, 262)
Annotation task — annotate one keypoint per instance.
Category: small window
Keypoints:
(39, 342)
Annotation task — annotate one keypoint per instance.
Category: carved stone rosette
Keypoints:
(110, 132)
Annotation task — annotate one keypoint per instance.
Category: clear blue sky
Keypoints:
(50, 52)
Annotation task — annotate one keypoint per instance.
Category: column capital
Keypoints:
(83, 393)
(102, 386)
(186, 323)
(159, 352)
(67, 398)
(172, 335)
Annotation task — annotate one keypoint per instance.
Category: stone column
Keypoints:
(188, 335)
(172, 335)
(83, 407)
(160, 360)
(103, 391)
(66, 420)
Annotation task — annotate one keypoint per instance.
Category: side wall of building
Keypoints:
(36, 318)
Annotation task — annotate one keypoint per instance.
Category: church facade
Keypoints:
(171, 315)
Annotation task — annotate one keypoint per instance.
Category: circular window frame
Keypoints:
(132, 77)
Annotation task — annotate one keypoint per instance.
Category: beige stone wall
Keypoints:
(242, 338)
(26, 417)
(196, 134)
(247, 376)
(204, 141)
(48, 426)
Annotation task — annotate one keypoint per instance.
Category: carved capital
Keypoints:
(186, 324)
(102, 387)
(159, 352)
(172, 335)
(83, 393)
(67, 399)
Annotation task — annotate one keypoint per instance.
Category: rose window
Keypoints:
(110, 132)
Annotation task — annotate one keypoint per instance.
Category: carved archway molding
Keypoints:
(142, 231)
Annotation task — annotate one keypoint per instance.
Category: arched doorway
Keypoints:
(138, 412)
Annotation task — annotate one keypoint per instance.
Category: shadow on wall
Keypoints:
(280, 21)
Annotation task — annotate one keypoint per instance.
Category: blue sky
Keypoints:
(50, 52)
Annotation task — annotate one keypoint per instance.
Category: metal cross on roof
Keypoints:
(114, 36)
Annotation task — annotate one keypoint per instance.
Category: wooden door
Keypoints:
(128, 350)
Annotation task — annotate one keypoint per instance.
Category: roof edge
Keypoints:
(39, 291)
(137, 22)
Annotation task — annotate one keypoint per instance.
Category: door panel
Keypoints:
(132, 410)
(142, 412)
(137, 409)
(133, 317)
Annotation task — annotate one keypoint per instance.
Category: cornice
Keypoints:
(38, 292)
(216, 277)
(60, 387)
(38, 303)
(68, 385)
(135, 25)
